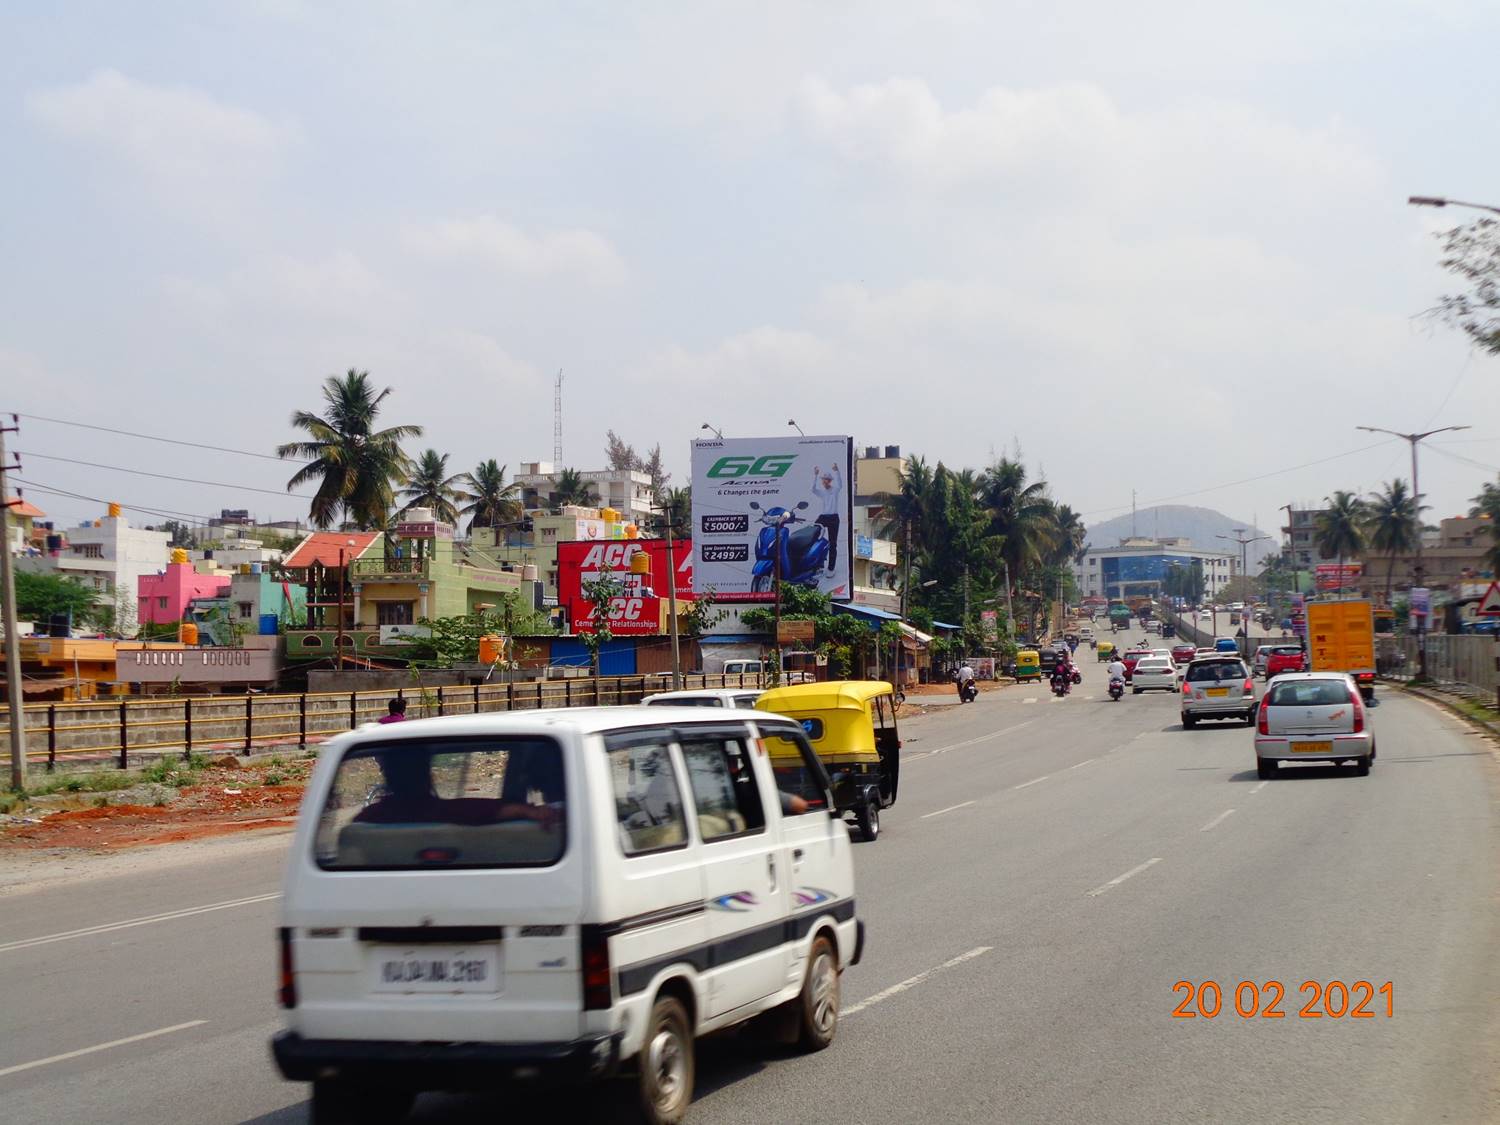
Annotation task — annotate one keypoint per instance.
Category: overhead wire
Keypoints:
(161, 476)
(152, 437)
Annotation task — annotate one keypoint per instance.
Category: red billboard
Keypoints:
(580, 562)
(1330, 576)
(628, 617)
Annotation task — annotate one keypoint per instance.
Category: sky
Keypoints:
(1161, 247)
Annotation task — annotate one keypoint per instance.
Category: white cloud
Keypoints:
(508, 249)
(172, 135)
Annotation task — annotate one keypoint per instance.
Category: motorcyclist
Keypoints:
(1116, 670)
(1062, 671)
(963, 678)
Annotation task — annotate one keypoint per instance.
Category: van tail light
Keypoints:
(1263, 719)
(598, 991)
(286, 994)
(1249, 688)
(1359, 711)
(1187, 688)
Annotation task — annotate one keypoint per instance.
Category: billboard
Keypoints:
(751, 494)
(628, 616)
(580, 562)
(1331, 576)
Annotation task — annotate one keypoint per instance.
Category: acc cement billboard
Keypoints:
(750, 493)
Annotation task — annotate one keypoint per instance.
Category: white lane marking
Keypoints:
(1259, 787)
(1216, 821)
(1033, 781)
(1029, 699)
(1087, 697)
(912, 982)
(1085, 762)
(1118, 879)
(970, 742)
(950, 808)
(109, 927)
(101, 1047)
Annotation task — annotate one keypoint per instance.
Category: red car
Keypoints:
(1183, 654)
(1285, 658)
(1129, 660)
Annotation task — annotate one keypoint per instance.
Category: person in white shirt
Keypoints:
(964, 676)
(826, 488)
(1116, 669)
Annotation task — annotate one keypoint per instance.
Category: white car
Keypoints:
(1153, 672)
(1205, 615)
(1313, 717)
(477, 900)
(743, 698)
(1217, 687)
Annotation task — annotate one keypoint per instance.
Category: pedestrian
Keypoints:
(395, 711)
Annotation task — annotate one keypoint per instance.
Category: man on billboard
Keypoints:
(828, 484)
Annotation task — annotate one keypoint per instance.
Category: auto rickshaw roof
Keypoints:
(830, 695)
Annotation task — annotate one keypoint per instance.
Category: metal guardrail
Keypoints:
(117, 728)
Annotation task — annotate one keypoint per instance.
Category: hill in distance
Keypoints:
(1201, 526)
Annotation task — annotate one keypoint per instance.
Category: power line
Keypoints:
(153, 437)
(163, 476)
(1436, 448)
(53, 490)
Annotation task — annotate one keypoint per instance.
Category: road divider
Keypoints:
(912, 982)
(66, 1055)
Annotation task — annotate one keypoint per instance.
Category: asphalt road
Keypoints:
(1051, 871)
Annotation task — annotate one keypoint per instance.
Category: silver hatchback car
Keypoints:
(1217, 687)
(1313, 717)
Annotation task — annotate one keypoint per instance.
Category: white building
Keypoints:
(109, 557)
(627, 491)
(1139, 566)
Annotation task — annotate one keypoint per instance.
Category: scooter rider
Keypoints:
(1116, 670)
(963, 678)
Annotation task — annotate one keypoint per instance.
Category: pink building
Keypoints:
(164, 597)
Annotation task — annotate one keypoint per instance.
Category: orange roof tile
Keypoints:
(323, 547)
(19, 507)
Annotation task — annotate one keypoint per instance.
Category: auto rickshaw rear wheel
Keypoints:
(867, 816)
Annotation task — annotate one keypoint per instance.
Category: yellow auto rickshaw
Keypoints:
(1106, 652)
(851, 725)
(1028, 664)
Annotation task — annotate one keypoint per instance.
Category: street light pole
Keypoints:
(1416, 495)
(1439, 201)
(1239, 537)
(670, 510)
(13, 694)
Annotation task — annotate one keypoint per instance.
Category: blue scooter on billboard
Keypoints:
(804, 552)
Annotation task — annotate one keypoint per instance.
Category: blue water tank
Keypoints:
(269, 625)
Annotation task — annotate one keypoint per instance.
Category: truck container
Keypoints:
(1341, 638)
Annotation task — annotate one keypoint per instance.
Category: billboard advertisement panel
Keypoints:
(757, 500)
(1331, 576)
(580, 562)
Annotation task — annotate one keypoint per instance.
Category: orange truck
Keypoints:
(1341, 638)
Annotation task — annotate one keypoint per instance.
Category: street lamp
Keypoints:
(793, 423)
(670, 510)
(1416, 498)
(1439, 201)
(718, 433)
(1240, 538)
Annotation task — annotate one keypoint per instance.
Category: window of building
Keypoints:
(393, 613)
(161, 603)
(312, 640)
(1093, 562)
(246, 608)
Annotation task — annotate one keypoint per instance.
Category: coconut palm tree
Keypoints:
(1487, 503)
(1068, 530)
(1021, 513)
(356, 465)
(428, 485)
(1392, 526)
(571, 488)
(676, 505)
(491, 502)
(1340, 529)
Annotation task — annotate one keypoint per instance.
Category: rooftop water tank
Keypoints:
(187, 633)
(529, 572)
(270, 625)
(179, 557)
(255, 568)
(893, 451)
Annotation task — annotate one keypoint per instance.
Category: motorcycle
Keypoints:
(804, 552)
(1116, 689)
(968, 692)
(1060, 686)
(1077, 676)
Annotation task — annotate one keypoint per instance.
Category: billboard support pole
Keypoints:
(776, 582)
(672, 604)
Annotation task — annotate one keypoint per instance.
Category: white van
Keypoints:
(477, 900)
(752, 668)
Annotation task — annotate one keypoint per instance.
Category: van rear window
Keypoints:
(443, 804)
(1215, 670)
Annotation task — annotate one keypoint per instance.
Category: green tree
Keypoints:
(1340, 529)
(39, 596)
(600, 592)
(355, 465)
(491, 502)
(1392, 526)
(428, 485)
(571, 488)
(1472, 253)
(1487, 504)
(619, 454)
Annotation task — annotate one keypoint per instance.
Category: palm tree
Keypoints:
(571, 488)
(1021, 513)
(428, 485)
(1487, 503)
(356, 465)
(1391, 526)
(677, 506)
(1340, 529)
(1070, 534)
(491, 502)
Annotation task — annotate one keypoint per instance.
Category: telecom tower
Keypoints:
(557, 421)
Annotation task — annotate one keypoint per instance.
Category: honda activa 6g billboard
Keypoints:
(764, 503)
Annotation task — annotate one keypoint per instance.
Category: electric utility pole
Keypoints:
(671, 530)
(17, 703)
(1244, 542)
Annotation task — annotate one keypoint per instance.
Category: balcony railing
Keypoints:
(390, 568)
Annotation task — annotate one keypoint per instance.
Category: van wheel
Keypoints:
(341, 1103)
(1362, 767)
(666, 1064)
(819, 1003)
(867, 816)
(1189, 722)
(1265, 768)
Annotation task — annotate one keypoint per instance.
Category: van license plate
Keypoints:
(436, 968)
(1214, 692)
(1312, 748)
